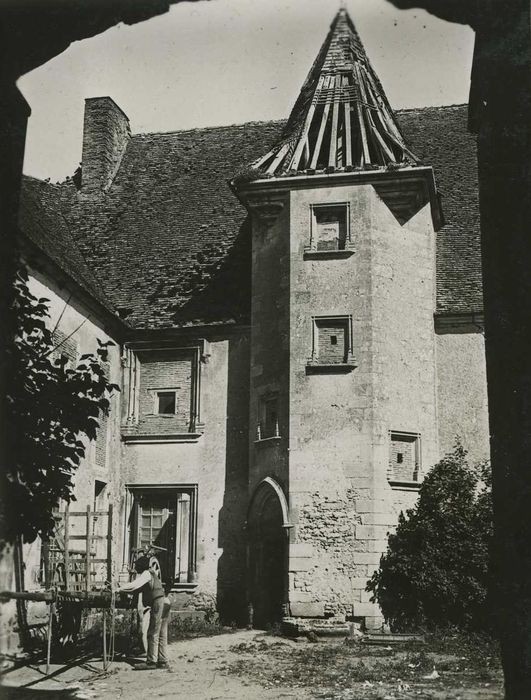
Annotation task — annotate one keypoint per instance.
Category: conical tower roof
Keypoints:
(341, 119)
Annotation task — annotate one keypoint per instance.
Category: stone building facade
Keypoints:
(296, 314)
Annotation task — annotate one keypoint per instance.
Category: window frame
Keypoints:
(314, 365)
(132, 525)
(156, 396)
(262, 408)
(311, 249)
(131, 362)
(415, 438)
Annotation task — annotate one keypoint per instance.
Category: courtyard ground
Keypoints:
(248, 665)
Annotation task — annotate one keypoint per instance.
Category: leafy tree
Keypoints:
(435, 571)
(51, 408)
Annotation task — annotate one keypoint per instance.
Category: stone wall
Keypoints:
(341, 502)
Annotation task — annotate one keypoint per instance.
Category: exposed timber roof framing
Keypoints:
(342, 119)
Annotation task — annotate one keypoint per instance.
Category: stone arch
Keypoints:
(277, 489)
(267, 528)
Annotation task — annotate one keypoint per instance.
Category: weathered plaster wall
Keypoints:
(72, 316)
(462, 392)
(217, 463)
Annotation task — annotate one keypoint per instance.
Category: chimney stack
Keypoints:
(106, 133)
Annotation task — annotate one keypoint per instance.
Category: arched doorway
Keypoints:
(268, 539)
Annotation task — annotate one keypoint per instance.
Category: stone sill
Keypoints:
(405, 485)
(171, 437)
(183, 587)
(263, 442)
(336, 368)
(327, 254)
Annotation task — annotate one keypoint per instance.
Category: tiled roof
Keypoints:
(439, 136)
(169, 242)
(44, 225)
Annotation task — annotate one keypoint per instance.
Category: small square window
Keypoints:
(332, 340)
(404, 457)
(331, 344)
(329, 227)
(166, 403)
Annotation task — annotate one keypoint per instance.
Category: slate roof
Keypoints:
(169, 243)
(42, 221)
(440, 138)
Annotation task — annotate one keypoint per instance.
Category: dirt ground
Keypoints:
(254, 665)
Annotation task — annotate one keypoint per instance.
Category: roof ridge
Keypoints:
(196, 129)
(425, 107)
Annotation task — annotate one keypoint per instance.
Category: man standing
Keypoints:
(154, 598)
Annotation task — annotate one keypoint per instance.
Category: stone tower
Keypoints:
(343, 375)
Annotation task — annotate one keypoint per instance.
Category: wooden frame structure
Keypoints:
(342, 119)
(72, 568)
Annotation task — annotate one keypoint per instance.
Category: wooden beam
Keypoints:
(67, 548)
(366, 158)
(263, 159)
(294, 165)
(348, 133)
(109, 543)
(278, 159)
(87, 551)
(322, 128)
(332, 153)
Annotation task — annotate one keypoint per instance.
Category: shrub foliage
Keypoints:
(52, 411)
(434, 573)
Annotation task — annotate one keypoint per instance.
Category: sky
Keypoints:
(231, 61)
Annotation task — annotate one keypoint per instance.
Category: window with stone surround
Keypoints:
(268, 426)
(404, 457)
(331, 343)
(161, 388)
(166, 517)
(329, 230)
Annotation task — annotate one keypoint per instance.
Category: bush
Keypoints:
(434, 573)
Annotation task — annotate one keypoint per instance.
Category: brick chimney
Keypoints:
(106, 133)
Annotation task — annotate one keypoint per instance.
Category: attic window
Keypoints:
(166, 403)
